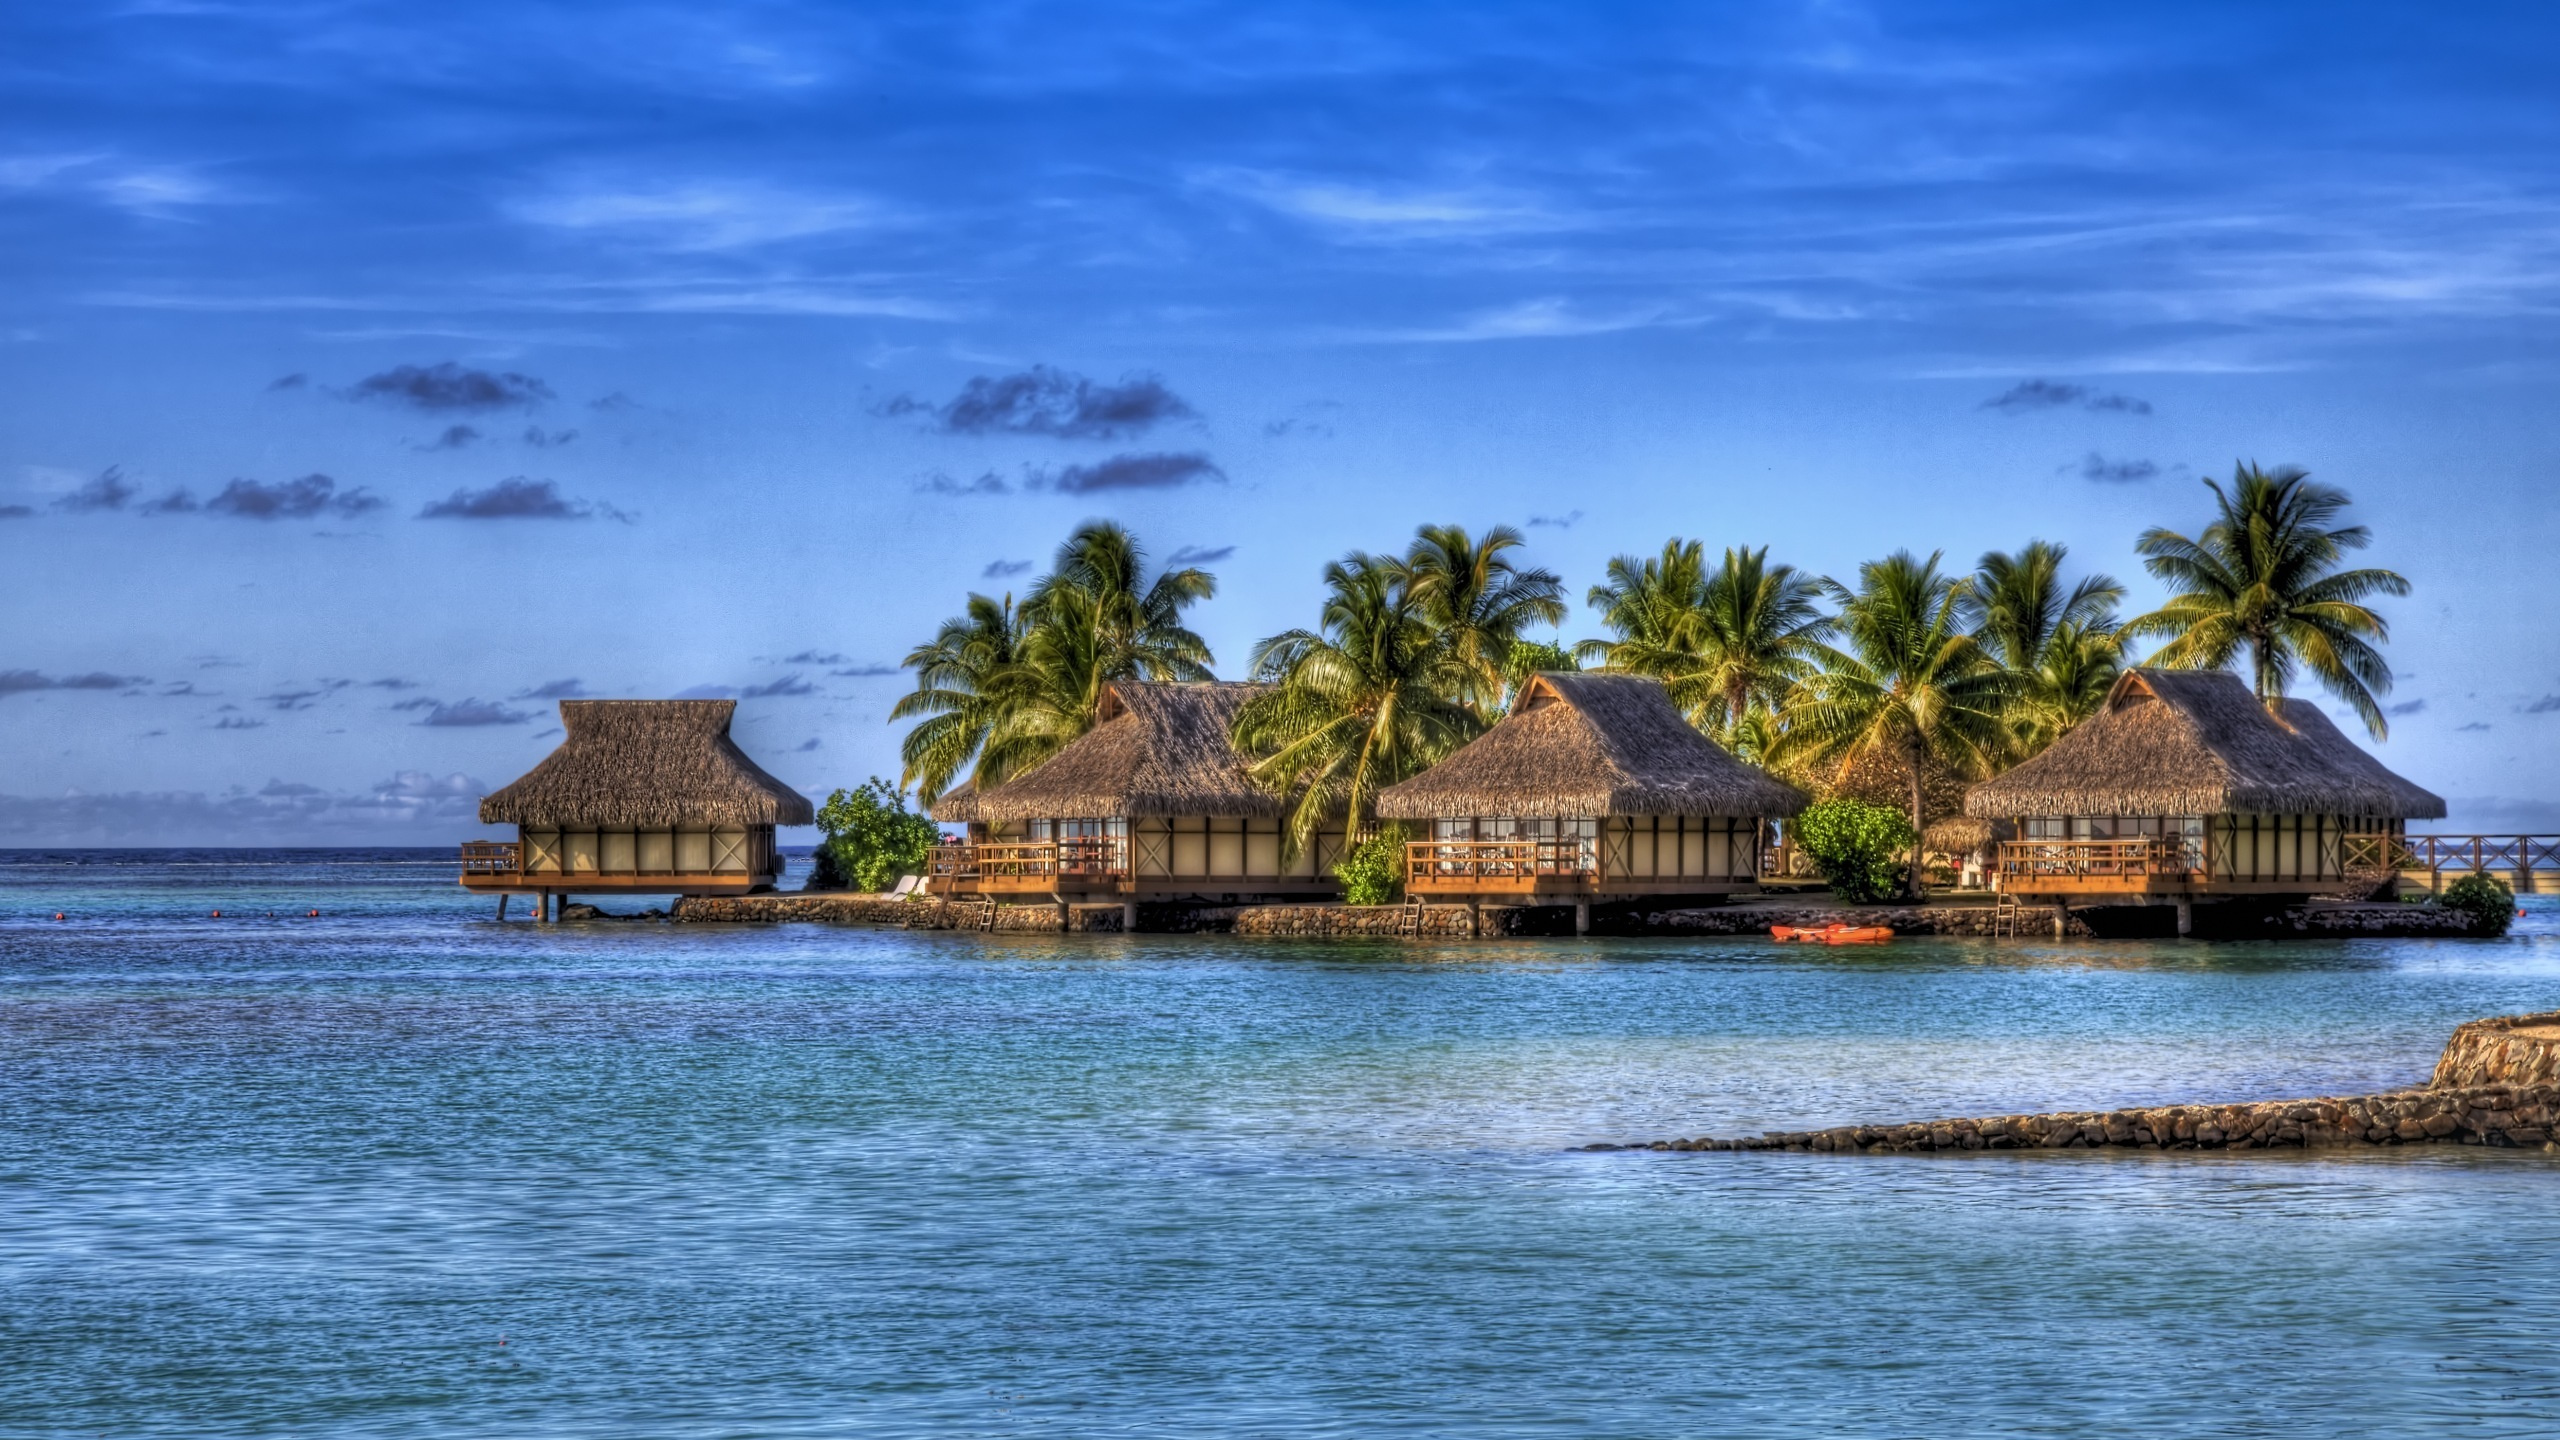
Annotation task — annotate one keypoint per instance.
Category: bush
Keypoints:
(1860, 848)
(1373, 873)
(871, 838)
(2485, 898)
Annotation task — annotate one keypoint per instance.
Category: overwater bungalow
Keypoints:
(1593, 789)
(642, 797)
(1152, 804)
(2183, 787)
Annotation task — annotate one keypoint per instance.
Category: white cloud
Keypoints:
(1374, 212)
(413, 807)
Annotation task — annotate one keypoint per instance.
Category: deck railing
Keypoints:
(1076, 856)
(492, 857)
(2032, 859)
(1440, 862)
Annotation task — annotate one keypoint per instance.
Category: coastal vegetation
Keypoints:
(1898, 690)
(868, 838)
(1863, 850)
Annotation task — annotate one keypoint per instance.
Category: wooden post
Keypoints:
(1582, 917)
(2186, 916)
(2061, 919)
(503, 898)
(1128, 917)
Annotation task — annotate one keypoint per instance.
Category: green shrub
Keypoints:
(2486, 898)
(871, 838)
(1373, 873)
(1860, 848)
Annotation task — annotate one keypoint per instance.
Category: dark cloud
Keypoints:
(1281, 429)
(465, 713)
(867, 672)
(303, 699)
(1565, 521)
(176, 502)
(613, 402)
(569, 689)
(709, 692)
(20, 682)
(1133, 472)
(183, 689)
(1003, 569)
(1200, 555)
(410, 808)
(814, 657)
(1047, 401)
(988, 484)
(805, 746)
(535, 435)
(391, 683)
(16, 512)
(2029, 395)
(455, 437)
(2095, 466)
(2543, 706)
(448, 386)
(790, 684)
(2474, 725)
(517, 498)
(291, 499)
(2405, 707)
(108, 491)
(238, 722)
(294, 381)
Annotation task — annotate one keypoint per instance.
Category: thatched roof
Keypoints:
(1590, 745)
(1155, 749)
(1964, 835)
(957, 805)
(2197, 742)
(647, 764)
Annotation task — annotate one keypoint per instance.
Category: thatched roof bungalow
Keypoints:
(1593, 787)
(648, 796)
(1152, 803)
(2183, 782)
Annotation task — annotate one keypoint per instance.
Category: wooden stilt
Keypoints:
(2186, 916)
(503, 898)
(1128, 917)
(1581, 917)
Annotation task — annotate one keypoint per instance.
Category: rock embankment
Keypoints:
(1434, 922)
(2498, 1083)
(2508, 1050)
(845, 908)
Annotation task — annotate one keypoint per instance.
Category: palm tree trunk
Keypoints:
(1917, 759)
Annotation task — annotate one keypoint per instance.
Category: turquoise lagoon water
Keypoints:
(398, 1170)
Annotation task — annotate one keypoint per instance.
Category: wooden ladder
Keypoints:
(1410, 922)
(2007, 915)
(986, 918)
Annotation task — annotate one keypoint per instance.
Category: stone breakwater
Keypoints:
(841, 908)
(1436, 922)
(2497, 1083)
(2504, 1115)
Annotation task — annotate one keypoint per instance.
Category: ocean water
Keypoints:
(398, 1170)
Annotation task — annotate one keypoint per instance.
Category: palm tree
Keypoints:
(1910, 685)
(2263, 577)
(1480, 603)
(1720, 640)
(961, 675)
(1007, 688)
(1368, 700)
(2064, 646)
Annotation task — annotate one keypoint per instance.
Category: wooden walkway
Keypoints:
(2517, 859)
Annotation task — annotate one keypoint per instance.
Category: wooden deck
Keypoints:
(494, 867)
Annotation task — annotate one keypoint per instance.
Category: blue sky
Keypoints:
(378, 372)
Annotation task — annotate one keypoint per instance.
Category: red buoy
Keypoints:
(315, 912)
(57, 914)
(217, 914)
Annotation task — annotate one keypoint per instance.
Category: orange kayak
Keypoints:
(1832, 934)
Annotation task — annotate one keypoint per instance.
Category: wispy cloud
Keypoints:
(788, 685)
(814, 657)
(455, 437)
(1374, 212)
(569, 689)
(1003, 569)
(867, 672)
(2095, 466)
(703, 215)
(465, 714)
(989, 483)
(411, 807)
(2405, 707)
(1200, 554)
(301, 499)
(1566, 521)
(107, 490)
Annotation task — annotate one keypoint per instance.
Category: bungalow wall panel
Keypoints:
(656, 851)
(541, 851)
(1226, 847)
(1190, 854)
(729, 851)
(620, 853)
(1155, 848)
(579, 848)
(693, 852)
(1693, 848)
(1262, 852)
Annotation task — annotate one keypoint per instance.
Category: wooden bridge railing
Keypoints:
(2462, 854)
(492, 857)
(1444, 861)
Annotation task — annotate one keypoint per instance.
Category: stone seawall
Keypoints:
(2497, 1083)
(928, 914)
(1438, 922)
